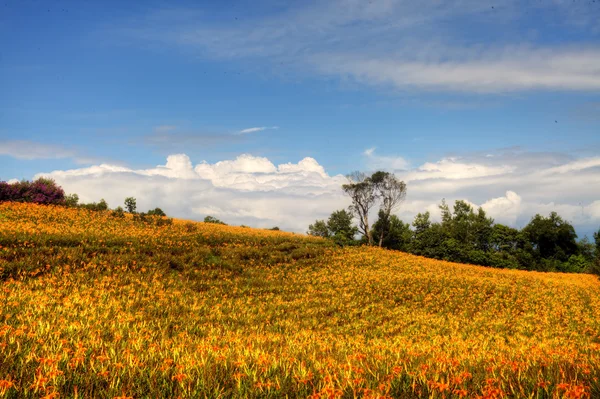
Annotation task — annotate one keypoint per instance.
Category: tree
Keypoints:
(421, 222)
(130, 204)
(340, 228)
(156, 212)
(398, 234)
(102, 205)
(482, 230)
(504, 239)
(360, 190)
(551, 238)
(392, 193)
(365, 191)
(318, 229)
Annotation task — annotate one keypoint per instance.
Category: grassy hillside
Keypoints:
(93, 305)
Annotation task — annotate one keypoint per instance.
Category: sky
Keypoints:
(254, 111)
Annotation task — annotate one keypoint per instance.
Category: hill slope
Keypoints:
(98, 306)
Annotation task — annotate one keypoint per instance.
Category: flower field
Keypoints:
(97, 306)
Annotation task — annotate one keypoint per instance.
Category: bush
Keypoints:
(96, 206)
(156, 212)
(72, 200)
(119, 212)
(211, 219)
(41, 191)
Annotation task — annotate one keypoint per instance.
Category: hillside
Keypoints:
(93, 305)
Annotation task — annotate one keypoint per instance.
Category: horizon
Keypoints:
(253, 112)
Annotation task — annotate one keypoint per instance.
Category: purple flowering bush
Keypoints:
(40, 191)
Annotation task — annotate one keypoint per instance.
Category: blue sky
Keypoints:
(506, 89)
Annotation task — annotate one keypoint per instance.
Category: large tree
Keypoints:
(360, 190)
(391, 192)
(365, 191)
(551, 237)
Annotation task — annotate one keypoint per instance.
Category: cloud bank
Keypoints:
(251, 190)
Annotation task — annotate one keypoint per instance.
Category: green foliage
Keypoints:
(318, 229)
(130, 204)
(211, 219)
(469, 236)
(71, 200)
(551, 238)
(156, 212)
(421, 222)
(338, 227)
(397, 234)
(102, 205)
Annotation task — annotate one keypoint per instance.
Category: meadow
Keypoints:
(97, 306)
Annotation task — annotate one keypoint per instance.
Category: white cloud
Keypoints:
(505, 209)
(251, 190)
(455, 169)
(394, 43)
(256, 129)
(389, 163)
(246, 190)
(498, 70)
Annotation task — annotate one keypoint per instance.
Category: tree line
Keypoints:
(464, 234)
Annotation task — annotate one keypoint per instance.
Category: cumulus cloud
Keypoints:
(506, 208)
(511, 186)
(247, 190)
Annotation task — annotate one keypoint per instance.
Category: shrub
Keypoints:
(72, 200)
(40, 191)
(211, 219)
(119, 212)
(96, 206)
(156, 212)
